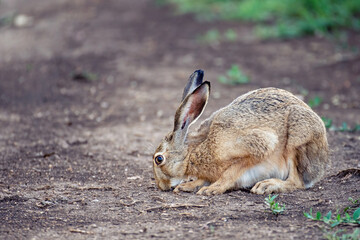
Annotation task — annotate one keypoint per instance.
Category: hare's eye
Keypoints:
(159, 159)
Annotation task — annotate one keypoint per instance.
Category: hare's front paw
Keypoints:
(213, 189)
(268, 186)
(189, 186)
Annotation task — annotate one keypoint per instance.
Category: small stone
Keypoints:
(134, 178)
(335, 100)
(159, 113)
(92, 90)
(104, 104)
(22, 20)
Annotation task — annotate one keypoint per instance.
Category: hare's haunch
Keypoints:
(267, 140)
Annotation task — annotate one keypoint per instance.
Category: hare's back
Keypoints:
(265, 107)
(266, 100)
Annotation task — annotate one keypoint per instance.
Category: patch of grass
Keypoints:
(336, 219)
(346, 218)
(230, 35)
(234, 76)
(274, 207)
(355, 235)
(354, 201)
(214, 36)
(346, 128)
(343, 128)
(279, 18)
(211, 36)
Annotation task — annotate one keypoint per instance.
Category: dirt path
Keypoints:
(75, 151)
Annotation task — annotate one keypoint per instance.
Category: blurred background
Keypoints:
(89, 87)
(311, 47)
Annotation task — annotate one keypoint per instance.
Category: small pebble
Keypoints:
(23, 21)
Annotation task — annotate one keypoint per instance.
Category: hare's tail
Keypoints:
(312, 159)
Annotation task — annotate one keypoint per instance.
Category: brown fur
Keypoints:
(260, 136)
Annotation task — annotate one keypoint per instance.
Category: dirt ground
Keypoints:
(76, 152)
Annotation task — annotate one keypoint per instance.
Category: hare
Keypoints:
(267, 140)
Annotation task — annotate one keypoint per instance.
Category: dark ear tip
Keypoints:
(199, 71)
(200, 76)
(207, 83)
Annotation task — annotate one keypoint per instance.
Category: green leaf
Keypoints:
(273, 197)
(315, 101)
(307, 215)
(344, 127)
(327, 122)
(356, 129)
(356, 214)
(327, 217)
(318, 215)
(335, 224)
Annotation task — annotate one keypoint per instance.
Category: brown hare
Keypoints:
(266, 139)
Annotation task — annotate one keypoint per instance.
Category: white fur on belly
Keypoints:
(261, 172)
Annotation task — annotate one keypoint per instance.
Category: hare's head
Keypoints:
(168, 160)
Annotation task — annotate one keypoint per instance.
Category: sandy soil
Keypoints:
(76, 152)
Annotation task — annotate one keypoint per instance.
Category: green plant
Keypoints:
(346, 128)
(338, 219)
(280, 18)
(234, 76)
(214, 36)
(327, 122)
(230, 35)
(274, 206)
(211, 36)
(343, 128)
(355, 235)
(354, 201)
(315, 101)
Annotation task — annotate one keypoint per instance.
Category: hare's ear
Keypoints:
(195, 80)
(189, 111)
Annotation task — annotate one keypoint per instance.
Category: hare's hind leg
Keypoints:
(306, 153)
(275, 185)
